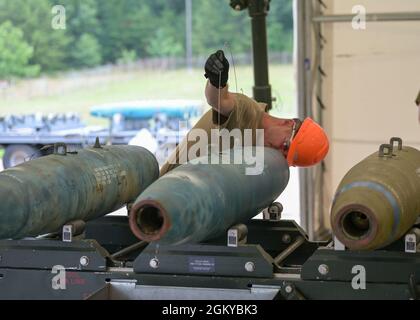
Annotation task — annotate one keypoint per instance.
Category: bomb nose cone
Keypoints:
(149, 221)
(356, 224)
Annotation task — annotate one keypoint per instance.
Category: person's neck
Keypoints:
(267, 121)
(275, 130)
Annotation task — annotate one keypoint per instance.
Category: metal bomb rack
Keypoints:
(263, 259)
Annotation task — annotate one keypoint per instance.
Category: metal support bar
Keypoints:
(129, 249)
(318, 224)
(262, 88)
(372, 17)
(258, 10)
(289, 250)
(303, 52)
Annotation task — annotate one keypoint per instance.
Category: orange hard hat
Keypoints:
(309, 147)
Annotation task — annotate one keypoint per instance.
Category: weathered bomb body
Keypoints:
(42, 195)
(378, 200)
(196, 202)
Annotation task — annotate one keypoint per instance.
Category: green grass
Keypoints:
(117, 87)
(1, 153)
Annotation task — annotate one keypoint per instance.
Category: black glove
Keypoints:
(217, 69)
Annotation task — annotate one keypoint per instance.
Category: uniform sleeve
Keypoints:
(180, 154)
(246, 114)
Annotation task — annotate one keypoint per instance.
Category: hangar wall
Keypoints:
(372, 78)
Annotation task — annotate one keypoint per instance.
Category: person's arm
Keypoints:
(220, 100)
(217, 93)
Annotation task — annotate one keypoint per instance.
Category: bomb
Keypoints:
(40, 196)
(378, 200)
(202, 199)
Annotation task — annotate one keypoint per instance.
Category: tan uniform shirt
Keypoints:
(246, 114)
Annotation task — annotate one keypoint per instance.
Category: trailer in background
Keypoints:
(158, 125)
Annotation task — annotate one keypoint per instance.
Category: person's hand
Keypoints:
(217, 69)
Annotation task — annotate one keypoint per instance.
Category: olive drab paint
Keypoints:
(378, 200)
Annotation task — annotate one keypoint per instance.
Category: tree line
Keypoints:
(119, 31)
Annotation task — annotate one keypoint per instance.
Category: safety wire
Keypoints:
(210, 146)
(219, 100)
(227, 46)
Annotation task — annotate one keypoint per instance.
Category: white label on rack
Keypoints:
(232, 238)
(410, 243)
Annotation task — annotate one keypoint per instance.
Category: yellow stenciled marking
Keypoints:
(105, 174)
